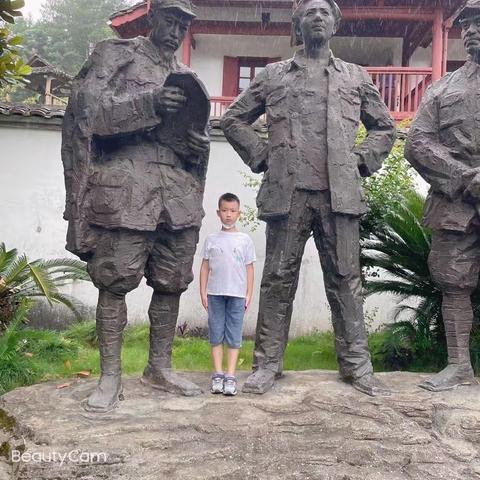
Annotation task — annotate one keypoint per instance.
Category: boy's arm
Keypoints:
(204, 271)
(250, 278)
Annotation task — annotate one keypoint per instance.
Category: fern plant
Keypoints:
(399, 250)
(21, 278)
(15, 367)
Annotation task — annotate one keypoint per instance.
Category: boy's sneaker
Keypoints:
(230, 386)
(217, 383)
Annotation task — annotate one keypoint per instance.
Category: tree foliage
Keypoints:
(68, 30)
(12, 66)
(399, 250)
(385, 190)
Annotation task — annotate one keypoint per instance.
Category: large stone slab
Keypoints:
(311, 426)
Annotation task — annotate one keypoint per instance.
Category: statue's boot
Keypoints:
(371, 385)
(449, 378)
(260, 381)
(107, 394)
(163, 313)
(111, 320)
(458, 319)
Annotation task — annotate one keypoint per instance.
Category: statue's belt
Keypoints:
(144, 152)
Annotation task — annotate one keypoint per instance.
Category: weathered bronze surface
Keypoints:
(313, 103)
(444, 146)
(134, 174)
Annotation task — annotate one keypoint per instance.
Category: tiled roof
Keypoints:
(45, 111)
(41, 66)
(129, 9)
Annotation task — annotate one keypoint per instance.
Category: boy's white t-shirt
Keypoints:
(228, 254)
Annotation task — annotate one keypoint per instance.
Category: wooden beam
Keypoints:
(415, 14)
(437, 45)
(214, 27)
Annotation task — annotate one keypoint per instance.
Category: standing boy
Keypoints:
(226, 285)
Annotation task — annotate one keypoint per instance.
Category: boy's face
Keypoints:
(229, 212)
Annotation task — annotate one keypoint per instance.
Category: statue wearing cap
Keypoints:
(313, 103)
(444, 147)
(133, 198)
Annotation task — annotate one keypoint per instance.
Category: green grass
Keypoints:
(42, 355)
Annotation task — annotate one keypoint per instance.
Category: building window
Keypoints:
(238, 72)
(249, 69)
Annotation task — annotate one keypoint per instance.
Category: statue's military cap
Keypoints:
(184, 6)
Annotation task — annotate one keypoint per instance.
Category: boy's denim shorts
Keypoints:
(225, 320)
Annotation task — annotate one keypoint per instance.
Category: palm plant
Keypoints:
(20, 278)
(14, 366)
(399, 249)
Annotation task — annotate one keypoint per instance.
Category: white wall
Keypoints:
(368, 51)
(243, 14)
(31, 209)
(422, 57)
(207, 58)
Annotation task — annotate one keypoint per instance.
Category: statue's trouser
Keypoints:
(337, 241)
(121, 259)
(454, 264)
(111, 320)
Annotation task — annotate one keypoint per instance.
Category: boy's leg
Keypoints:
(217, 358)
(232, 359)
(234, 314)
(216, 329)
(216, 335)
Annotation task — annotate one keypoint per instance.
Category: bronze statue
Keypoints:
(444, 147)
(314, 103)
(134, 185)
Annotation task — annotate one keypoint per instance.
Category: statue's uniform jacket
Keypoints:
(444, 146)
(351, 96)
(444, 143)
(117, 174)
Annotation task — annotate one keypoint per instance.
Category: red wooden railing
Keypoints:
(219, 105)
(402, 88)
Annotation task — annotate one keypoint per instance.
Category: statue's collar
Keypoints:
(299, 60)
(472, 67)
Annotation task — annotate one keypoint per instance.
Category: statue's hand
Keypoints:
(197, 143)
(169, 100)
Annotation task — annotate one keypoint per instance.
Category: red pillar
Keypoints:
(437, 45)
(187, 49)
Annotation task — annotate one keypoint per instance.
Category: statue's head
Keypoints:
(315, 21)
(169, 21)
(469, 20)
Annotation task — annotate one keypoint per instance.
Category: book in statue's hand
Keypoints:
(194, 115)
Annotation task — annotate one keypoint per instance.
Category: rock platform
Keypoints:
(310, 426)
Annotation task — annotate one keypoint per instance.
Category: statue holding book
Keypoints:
(135, 154)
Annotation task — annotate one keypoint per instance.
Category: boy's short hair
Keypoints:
(228, 197)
